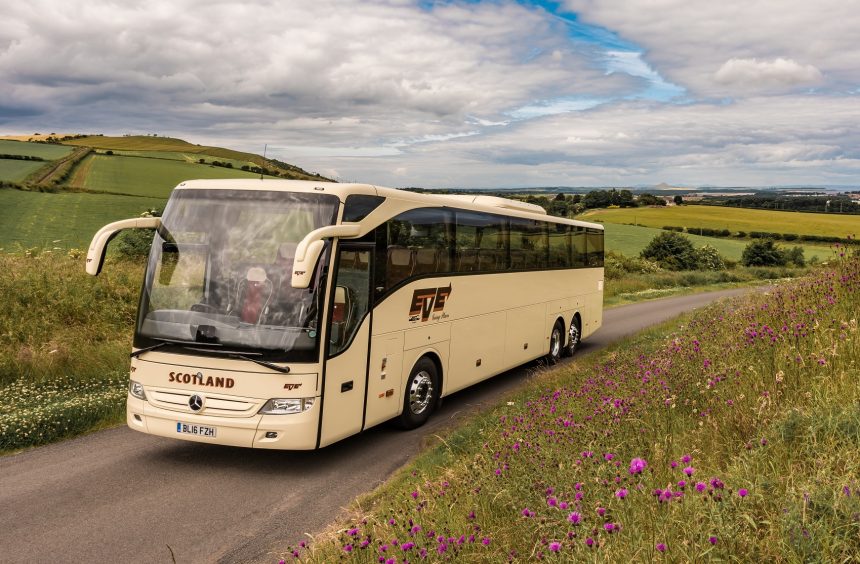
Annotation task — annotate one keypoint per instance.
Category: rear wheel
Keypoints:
(556, 342)
(421, 396)
(574, 337)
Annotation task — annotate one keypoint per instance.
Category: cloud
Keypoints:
(687, 42)
(753, 74)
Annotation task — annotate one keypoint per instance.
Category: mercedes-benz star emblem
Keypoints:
(195, 402)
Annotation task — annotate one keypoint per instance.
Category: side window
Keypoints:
(482, 242)
(579, 250)
(359, 206)
(419, 243)
(351, 296)
(595, 247)
(559, 245)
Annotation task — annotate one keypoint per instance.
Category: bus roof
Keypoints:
(476, 202)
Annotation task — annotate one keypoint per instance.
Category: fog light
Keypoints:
(286, 406)
(136, 389)
(271, 435)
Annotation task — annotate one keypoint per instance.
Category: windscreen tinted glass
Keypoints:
(220, 271)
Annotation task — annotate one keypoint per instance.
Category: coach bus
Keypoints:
(290, 314)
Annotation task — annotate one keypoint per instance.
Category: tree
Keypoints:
(678, 200)
(651, 200)
(709, 258)
(671, 251)
(763, 252)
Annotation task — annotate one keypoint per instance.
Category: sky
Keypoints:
(472, 94)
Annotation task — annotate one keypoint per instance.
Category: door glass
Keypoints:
(351, 293)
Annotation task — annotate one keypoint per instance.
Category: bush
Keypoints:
(617, 266)
(795, 255)
(671, 251)
(709, 258)
(763, 252)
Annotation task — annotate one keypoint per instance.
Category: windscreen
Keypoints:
(220, 268)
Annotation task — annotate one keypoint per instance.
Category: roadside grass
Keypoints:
(64, 343)
(61, 220)
(47, 151)
(732, 435)
(155, 178)
(15, 171)
(638, 287)
(733, 219)
(631, 239)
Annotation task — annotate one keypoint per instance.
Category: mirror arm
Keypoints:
(98, 246)
(309, 249)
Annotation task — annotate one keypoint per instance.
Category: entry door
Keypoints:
(348, 338)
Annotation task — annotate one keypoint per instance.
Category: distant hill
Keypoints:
(60, 189)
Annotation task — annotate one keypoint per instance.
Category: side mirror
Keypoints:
(96, 252)
(309, 249)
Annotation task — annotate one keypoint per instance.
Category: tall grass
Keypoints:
(734, 436)
(64, 343)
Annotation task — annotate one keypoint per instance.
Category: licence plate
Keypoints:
(197, 430)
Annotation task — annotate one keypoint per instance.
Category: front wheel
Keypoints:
(422, 393)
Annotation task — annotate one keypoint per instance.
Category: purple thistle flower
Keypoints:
(407, 546)
(347, 548)
(686, 459)
(555, 546)
(689, 470)
(700, 486)
(485, 541)
(712, 540)
(601, 511)
(589, 541)
(637, 465)
(661, 547)
(743, 492)
(621, 494)
(574, 518)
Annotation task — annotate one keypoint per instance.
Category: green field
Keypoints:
(49, 152)
(733, 219)
(66, 220)
(15, 171)
(629, 240)
(146, 177)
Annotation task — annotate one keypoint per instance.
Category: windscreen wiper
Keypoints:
(245, 356)
(164, 343)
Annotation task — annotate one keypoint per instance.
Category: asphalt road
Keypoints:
(122, 496)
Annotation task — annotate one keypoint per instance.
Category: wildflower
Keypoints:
(347, 548)
(743, 492)
(555, 546)
(574, 518)
(563, 505)
(526, 512)
(415, 494)
(682, 484)
(485, 541)
(589, 541)
(601, 511)
(637, 465)
(661, 547)
(610, 527)
(407, 546)
(621, 494)
(712, 539)
(689, 470)
(686, 459)
(352, 532)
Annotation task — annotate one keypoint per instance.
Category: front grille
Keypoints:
(213, 404)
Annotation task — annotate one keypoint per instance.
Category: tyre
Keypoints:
(421, 395)
(574, 337)
(556, 343)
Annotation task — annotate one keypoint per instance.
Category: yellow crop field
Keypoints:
(733, 219)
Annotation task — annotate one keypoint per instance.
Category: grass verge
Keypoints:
(64, 343)
(732, 436)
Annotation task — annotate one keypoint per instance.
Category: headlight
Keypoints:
(136, 389)
(286, 406)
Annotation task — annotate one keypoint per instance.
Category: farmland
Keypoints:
(630, 240)
(49, 152)
(67, 220)
(16, 171)
(733, 219)
(138, 176)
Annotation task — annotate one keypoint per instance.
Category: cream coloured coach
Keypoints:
(287, 314)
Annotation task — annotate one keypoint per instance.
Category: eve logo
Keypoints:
(427, 301)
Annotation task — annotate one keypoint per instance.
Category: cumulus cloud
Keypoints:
(754, 74)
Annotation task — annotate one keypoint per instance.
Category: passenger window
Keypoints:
(579, 250)
(481, 242)
(419, 244)
(559, 245)
(595, 247)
